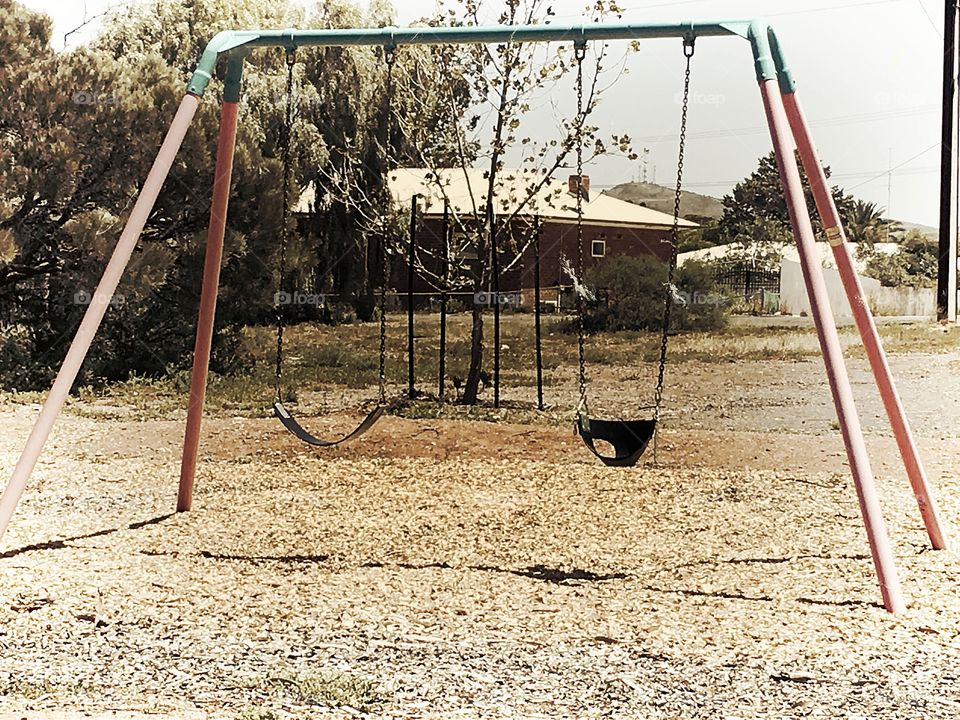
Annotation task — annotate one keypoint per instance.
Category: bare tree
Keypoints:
(505, 82)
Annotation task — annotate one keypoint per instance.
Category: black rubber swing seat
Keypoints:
(629, 438)
(291, 424)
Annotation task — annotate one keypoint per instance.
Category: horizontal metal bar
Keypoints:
(234, 40)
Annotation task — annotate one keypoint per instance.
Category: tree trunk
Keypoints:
(472, 387)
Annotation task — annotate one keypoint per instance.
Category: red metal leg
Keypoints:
(830, 346)
(208, 302)
(97, 308)
(864, 320)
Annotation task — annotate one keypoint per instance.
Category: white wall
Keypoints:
(904, 301)
(882, 300)
(793, 292)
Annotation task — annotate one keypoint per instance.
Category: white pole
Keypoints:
(96, 310)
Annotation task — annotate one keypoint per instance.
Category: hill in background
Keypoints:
(930, 232)
(657, 197)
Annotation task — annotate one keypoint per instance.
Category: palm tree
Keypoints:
(865, 225)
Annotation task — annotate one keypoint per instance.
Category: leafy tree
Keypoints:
(759, 198)
(866, 225)
(24, 35)
(707, 235)
(914, 264)
(73, 157)
(77, 135)
(761, 242)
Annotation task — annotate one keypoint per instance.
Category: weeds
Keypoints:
(35, 689)
(327, 689)
(322, 358)
(258, 714)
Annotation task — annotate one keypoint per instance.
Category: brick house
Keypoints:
(611, 228)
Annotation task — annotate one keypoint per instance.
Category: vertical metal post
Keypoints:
(208, 303)
(99, 303)
(411, 276)
(536, 310)
(864, 320)
(857, 457)
(946, 267)
(495, 269)
(445, 239)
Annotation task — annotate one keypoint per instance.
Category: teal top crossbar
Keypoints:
(768, 57)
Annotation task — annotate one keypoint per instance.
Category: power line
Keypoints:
(895, 167)
(831, 8)
(932, 23)
(871, 174)
(838, 176)
(826, 122)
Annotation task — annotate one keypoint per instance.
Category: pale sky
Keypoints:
(868, 73)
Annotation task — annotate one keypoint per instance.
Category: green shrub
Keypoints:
(707, 306)
(18, 371)
(914, 264)
(365, 306)
(630, 296)
(890, 270)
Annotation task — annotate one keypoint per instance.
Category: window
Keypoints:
(598, 248)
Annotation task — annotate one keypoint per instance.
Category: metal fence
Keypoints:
(747, 280)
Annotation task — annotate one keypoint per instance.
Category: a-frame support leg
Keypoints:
(880, 550)
(97, 308)
(863, 318)
(211, 282)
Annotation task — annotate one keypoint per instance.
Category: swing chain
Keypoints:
(579, 54)
(390, 55)
(285, 142)
(688, 48)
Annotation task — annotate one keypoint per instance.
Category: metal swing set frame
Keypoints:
(788, 130)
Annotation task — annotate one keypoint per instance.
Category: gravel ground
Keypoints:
(503, 578)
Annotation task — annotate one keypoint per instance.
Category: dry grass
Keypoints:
(321, 359)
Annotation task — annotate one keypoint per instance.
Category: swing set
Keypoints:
(629, 438)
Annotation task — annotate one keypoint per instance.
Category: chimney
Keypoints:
(583, 186)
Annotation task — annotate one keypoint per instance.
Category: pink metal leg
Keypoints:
(95, 312)
(208, 302)
(864, 320)
(831, 349)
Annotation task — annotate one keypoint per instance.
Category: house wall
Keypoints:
(557, 240)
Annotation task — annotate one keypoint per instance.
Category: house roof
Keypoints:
(552, 202)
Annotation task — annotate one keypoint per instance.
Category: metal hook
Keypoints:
(579, 50)
(389, 53)
(688, 45)
(390, 47)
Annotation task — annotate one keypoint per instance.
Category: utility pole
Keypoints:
(947, 266)
(889, 189)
